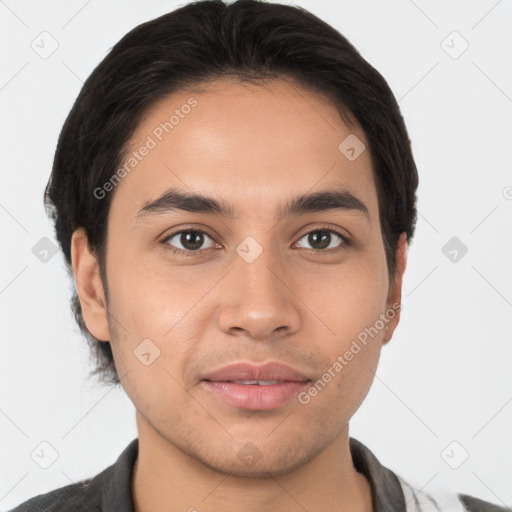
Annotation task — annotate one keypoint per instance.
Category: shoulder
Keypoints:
(444, 500)
(390, 492)
(71, 497)
(109, 490)
(473, 504)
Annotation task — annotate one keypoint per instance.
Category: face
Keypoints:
(249, 276)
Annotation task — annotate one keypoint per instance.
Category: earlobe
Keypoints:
(394, 301)
(89, 286)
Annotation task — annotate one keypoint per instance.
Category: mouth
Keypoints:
(248, 386)
(257, 382)
(255, 395)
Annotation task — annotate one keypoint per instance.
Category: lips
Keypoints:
(258, 382)
(248, 386)
(268, 372)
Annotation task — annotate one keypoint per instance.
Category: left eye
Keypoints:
(190, 240)
(322, 239)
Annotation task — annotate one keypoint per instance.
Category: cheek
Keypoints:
(348, 375)
(155, 318)
(150, 299)
(347, 300)
(351, 313)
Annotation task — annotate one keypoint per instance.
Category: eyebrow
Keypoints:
(332, 199)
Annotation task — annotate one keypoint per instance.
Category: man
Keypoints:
(235, 192)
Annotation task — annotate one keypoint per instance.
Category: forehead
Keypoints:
(252, 145)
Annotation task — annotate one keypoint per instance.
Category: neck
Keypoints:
(167, 479)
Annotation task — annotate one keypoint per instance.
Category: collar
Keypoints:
(117, 491)
(387, 494)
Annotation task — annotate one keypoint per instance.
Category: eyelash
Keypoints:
(327, 227)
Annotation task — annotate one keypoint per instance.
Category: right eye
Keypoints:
(190, 240)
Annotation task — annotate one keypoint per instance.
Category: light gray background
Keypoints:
(445, 376)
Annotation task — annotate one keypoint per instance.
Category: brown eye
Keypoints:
(189, 240)
(324, 239)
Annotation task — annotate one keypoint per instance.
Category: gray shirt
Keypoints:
(110, 490)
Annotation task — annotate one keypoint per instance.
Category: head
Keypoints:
(296, 248)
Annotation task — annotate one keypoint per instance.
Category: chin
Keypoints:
(251, 462)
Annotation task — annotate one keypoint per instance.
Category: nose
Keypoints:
(259, 300)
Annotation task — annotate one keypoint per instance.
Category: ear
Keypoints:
(394, 300)
(89, 286)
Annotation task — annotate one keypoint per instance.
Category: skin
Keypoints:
(255, 147)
